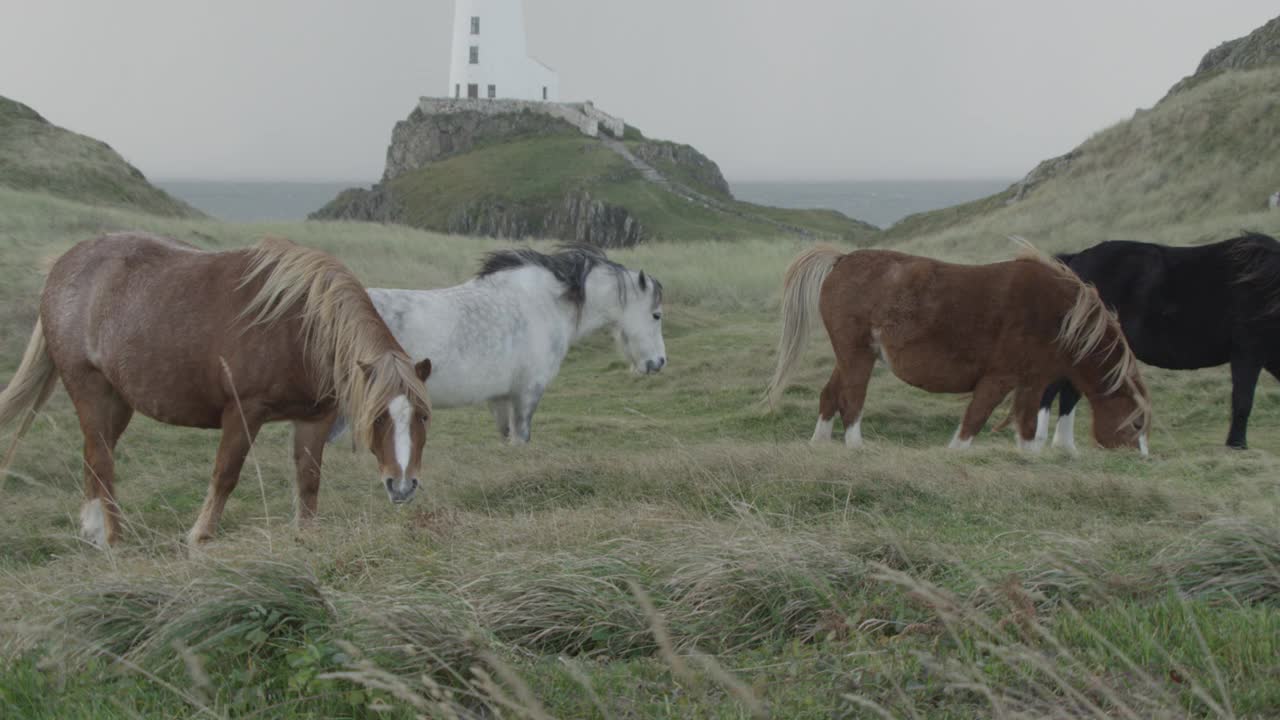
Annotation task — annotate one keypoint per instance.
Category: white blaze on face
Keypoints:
(401, 416)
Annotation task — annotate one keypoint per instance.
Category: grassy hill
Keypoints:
(533, 177)
(39, 156)
(1203, 156)
(664, 548)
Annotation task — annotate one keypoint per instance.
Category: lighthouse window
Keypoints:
(475, 55)
(473, 91)
(475, 26)
(493, 91)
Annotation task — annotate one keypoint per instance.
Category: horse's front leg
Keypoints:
(239, 429)
(989, 393)
(523, 405)
(1030, 419)
(308, 456)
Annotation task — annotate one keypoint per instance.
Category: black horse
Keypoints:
(1184, 308)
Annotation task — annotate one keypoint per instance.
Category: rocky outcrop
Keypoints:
(577, 217)
(693, 165)
(1043, 172)
(518, 169)
(424, 138)
(1257, 49)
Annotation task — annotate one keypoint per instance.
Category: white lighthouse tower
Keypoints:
(490, 60)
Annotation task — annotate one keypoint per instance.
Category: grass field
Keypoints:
(665, 548)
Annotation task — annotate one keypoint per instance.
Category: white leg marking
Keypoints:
(1065, 435)
(401, 414)
(957, 443)
(822, 432)
(1142, 445)
(853, 434)
(1032, 446)
(93, 523)
(1042, 425)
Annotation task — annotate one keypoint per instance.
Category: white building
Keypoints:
(490, 59)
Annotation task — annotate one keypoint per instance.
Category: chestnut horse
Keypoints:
(983, 329)
(228, 340)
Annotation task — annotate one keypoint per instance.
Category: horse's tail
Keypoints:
(27, 392)
(801, 289)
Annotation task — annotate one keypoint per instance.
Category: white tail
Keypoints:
(27, 392)
(801, 289)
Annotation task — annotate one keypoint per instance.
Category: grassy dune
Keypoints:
(37, 155)
(1197, 163)
(664, 549)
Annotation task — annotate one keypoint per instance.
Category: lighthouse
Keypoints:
(490, 59)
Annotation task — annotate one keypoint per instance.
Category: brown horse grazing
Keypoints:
(228, 340)
(983, 329)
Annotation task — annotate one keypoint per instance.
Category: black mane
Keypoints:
(570, 265)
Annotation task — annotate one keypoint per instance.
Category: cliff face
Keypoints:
(422, 139)
(571, 172)
(36, 155)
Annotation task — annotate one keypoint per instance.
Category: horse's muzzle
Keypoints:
(400, 492)
(654, 366)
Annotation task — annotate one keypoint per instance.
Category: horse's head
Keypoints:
(639, 327)
(398, 416)
(1123, 418)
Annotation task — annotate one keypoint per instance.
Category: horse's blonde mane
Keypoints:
(1089, 327)
(351, 355)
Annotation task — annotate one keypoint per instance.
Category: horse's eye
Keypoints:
(657, 316)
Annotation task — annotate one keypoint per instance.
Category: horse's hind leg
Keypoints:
(501, 409)
(238, 433)
(1244, 380)
(988, 395)
(308, 456)
(855, 372)
(523, 405)
(828, 406)
(103, 415)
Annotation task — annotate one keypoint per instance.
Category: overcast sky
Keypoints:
(770, 89)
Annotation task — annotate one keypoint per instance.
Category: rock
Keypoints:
(697, 166)
(1257, 49)
(1046, 170)
(426, 138)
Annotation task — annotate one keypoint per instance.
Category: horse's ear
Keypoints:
(644, 281)
(423, 369)
(366, 368)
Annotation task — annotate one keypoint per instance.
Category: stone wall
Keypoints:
(583, 116)
(614, 125)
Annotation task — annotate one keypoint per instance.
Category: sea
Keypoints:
(879, 202)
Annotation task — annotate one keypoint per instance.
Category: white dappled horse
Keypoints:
(500, 337)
